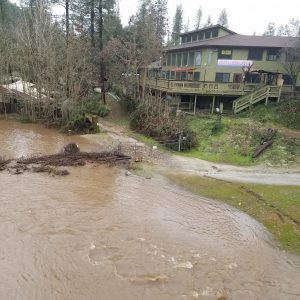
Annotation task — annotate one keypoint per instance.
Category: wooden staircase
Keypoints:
(263, 93)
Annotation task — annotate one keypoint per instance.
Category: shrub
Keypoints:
(289, 114)
(94, 106)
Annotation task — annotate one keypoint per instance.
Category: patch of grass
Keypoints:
(237, 140)
(277, 207)
(145, 139)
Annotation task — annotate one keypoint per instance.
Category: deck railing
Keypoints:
(208, 88)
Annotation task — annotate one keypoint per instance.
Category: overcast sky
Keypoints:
(244, 17)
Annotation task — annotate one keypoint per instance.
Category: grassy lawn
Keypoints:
(277, 207)
(236, 140)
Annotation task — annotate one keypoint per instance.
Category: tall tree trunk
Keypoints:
(102, 73)
(67, 3)
(93, 23)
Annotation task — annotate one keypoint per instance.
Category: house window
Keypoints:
(198, 59)
(183, 39)
(215, 33)
(194, 37)
(272, 55)
(178, 63)
(255, 54)
(164, 60)
(172, 75)
(168, 75)
(252, 78)
(173, 60)
(197, 76)
(225, 54)
(190, 76)
(191, 58)
(209, 57)
(288, 80)
(207, 34)
(183, 75)
(237, 78)
(169, 60)
(200, 36)
(178, 75)
(185, 59)
(222, 77)
(189, 38)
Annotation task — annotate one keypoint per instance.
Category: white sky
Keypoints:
(244, 17)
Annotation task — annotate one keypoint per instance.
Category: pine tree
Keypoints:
(198, 18)
(186, 27)
(208, 22)
(177, 25)
(223, 19)
(161, 13)
(270, 31)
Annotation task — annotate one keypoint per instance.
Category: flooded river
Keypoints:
(97, 234)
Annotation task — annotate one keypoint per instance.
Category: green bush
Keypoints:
(94, 106)
(289, 114)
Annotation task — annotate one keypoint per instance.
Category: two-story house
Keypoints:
(215, 66)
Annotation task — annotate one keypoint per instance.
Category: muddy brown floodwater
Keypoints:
(97, 234)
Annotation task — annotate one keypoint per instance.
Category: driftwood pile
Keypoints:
(265, 142)
(70, 157)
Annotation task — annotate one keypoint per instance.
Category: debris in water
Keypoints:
(69, 157)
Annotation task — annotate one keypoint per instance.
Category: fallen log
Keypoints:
(262, 148)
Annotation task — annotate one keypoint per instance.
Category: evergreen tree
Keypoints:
(177, 25)
(198, 18)
(223, 19)
(208, 22)
(186, 27)
(270, 31)
(161, 19)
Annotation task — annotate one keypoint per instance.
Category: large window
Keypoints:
(209, 57)
(198, 59)
(189, 38)
(185, 59)
(183, 75)
(287, 79)
(255, 54)
(197, 76)
(178, 62)
(272, 54)
(172, 75)
(173, 59)
(207, 34)
(169, 60)
(215, 32)
(225, 53)
(191, 58)
(183, 39)
(222, 77)
(200, 36)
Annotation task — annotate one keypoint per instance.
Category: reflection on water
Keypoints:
(97, 234)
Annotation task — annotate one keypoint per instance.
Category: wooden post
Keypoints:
(213, 104)
(195, 103)
(267, 96)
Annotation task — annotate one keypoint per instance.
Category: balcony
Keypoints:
(201, 88)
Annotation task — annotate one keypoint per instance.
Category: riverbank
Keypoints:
(277, 207)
